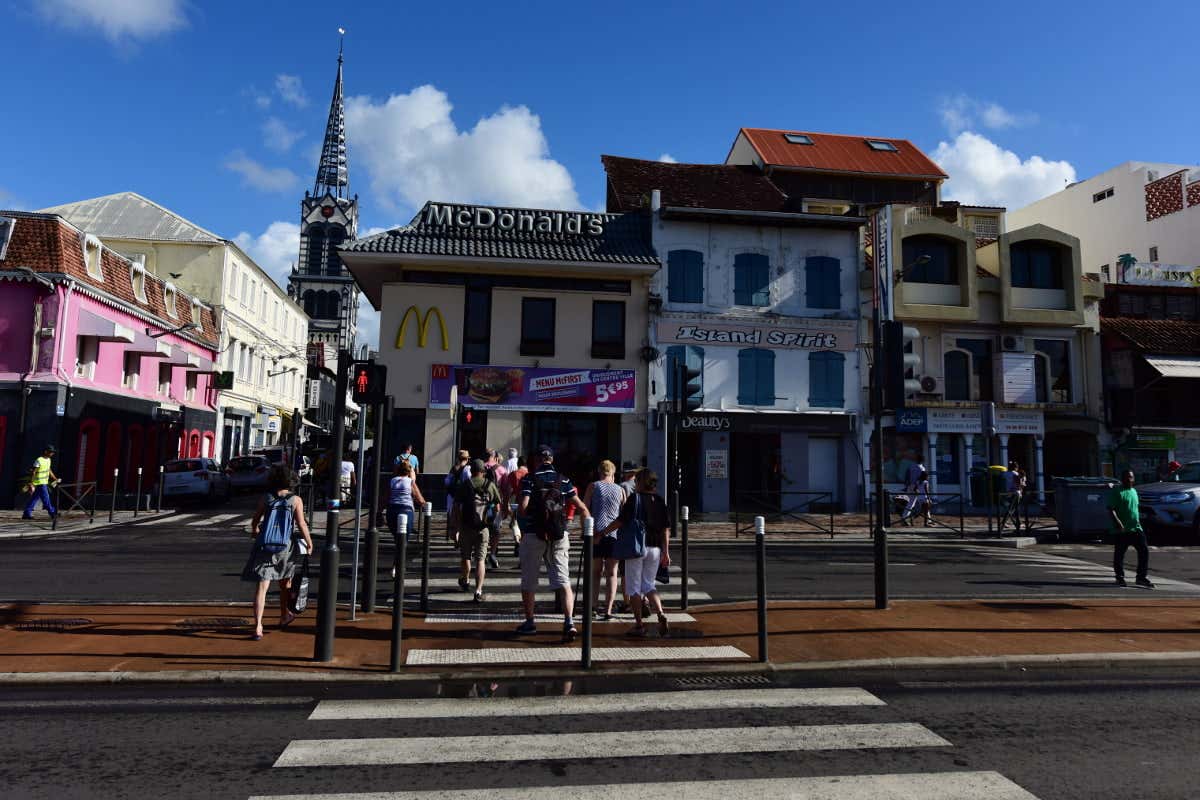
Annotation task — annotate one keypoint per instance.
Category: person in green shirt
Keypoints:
(1127, 528)
(478, 502)
(41, 478)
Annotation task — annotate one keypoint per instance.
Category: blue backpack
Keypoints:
(275, 534)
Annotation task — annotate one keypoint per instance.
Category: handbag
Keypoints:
(664, 574)
(631, 536)
(299, 589)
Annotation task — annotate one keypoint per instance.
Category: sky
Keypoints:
(216, 109)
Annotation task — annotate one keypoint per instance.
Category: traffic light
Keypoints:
(691, 386)
(900, 363)
(368, 381)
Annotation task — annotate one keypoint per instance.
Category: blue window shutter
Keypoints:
(826, 379)
(762, 283)
(741, 281)
(756, 377)
(823, 282)
(766, 377)
(685, 276)
(676, 290)
(695, 360)
(747, 382)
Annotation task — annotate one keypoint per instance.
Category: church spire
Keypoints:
(333, 175)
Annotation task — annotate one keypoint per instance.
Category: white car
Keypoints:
(194, 477)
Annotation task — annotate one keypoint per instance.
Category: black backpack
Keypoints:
(547, 508)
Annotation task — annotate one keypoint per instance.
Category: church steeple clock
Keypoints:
(328, 218)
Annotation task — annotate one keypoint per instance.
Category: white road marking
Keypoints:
(540, 619)
(217, 520)
(513, 582)
(515, 597)
(154, 702)
(537, 655)
(905, 786)
(615, 744)
(593, 704)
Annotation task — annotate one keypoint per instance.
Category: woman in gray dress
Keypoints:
(604, 498)
(265, 566)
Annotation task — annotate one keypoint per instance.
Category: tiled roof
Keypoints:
(128, 215)
(831, 152)
(625, 238)
(46, 243)
(1155, 335)
(718, 186)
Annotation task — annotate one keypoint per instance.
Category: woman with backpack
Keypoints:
(280, 513)
(648, 508)
(403, 498)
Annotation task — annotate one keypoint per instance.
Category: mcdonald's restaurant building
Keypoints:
(531, 323)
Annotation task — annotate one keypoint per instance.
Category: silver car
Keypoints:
(248, 473)
(1175, 502)
(194, 477)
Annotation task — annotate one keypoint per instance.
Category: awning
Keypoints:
(106, 330)
(308, 423)
(146, 347)
(1175, 366)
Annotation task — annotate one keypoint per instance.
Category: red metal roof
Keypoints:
(831, 152)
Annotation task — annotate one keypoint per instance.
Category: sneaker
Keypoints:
(663, 629)
(479, 597)
(569, 632)
(1144, 583)
(1121, 582)
(528, 626)
(492, 561)
(464, 584)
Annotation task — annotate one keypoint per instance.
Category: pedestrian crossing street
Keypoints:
(1085, 573)
(823, 726)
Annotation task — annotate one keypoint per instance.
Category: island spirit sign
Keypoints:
(796, 334)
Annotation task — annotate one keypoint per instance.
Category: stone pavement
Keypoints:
(54, 642)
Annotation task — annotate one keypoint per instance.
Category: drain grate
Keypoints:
(213, 623)
(705, 681)
(52, 625)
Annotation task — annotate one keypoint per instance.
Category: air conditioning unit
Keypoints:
(1012, 344)
(933, 384)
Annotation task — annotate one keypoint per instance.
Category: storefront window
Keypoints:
(948, 465)
(900, 451)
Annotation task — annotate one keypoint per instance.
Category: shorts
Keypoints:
(604, 547)
(557, 557)
(393, 517)
(473, 546)
(640, 573)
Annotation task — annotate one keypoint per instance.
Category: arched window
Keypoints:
(333, 262)
(150, 458)
(209, 447)
(956, 367)
(756, 377)
(112, 455)
(826, 379)
(193, 450)
(134, 437)
(335, 305)
(316, 249)
(1040, 370)
(309, 304)
(823, 282)
(941, 266)
(87, 451)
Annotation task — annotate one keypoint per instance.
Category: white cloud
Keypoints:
(275, 249)
(413, 151)
(278, 136)
(10, 201)
(983, 173)
(117, 20)
(368, 325)
(667, 158)
(961, 112)
(266, 179)
(291, 90)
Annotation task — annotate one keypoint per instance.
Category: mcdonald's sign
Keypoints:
(422, 324)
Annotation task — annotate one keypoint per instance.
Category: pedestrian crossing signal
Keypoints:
(368, 381)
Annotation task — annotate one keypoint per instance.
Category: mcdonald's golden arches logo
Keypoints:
(422, 324)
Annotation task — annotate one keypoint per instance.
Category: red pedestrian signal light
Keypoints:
(368, 382)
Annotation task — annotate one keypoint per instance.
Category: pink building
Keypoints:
(108, 363)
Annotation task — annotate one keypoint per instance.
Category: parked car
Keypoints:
(247, 473)
(1175, 502)
(194, 477)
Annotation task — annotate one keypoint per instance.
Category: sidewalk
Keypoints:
(53, 642)
(13, 527)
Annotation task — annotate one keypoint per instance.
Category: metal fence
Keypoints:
(945, 508)
(1029, 511)
(70, 497)
(789, 506)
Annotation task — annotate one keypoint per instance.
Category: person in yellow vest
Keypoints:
(41, 479)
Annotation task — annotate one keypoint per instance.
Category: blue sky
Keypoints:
(216, 109)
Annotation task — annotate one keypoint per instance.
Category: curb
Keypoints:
(902, 664)
(85, 529)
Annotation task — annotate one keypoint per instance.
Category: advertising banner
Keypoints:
(1152, 273)
(533, 388)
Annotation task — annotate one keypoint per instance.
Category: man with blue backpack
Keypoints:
(477, 502)
(545, 494)
(271, 557)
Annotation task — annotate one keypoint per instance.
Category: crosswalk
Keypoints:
(730, 727)
(1083, 573)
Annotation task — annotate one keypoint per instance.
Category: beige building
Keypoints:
(536, 320)
(263, 331)
(1002, 315)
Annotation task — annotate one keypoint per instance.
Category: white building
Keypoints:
(263, 332)
(1150, 211)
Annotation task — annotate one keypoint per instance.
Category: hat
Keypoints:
(477, 466)
(512, 452)
(630, 466)
(49, 449)
(544, 451)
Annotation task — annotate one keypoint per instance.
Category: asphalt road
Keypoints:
(1003, 735)
(197, 556)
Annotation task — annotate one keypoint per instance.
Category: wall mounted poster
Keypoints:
(533, 388)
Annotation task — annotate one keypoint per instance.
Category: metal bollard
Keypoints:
(683, 558)
(137, 499)
(760, 546)
(57, 508)
(398, 591)
(158, 508)
(427, 513)
(589, 529)
(372, 568)
(112, 509)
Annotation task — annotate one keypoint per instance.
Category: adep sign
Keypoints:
(512, 219)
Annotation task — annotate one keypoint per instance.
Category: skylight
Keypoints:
(798, 138)
(876, 144)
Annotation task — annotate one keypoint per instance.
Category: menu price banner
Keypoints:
(533, 388)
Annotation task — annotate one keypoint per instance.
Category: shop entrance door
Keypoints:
(822, 469)
(579, 442)
(754, 465)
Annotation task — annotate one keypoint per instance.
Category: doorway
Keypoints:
(755, 464)
(579, 442)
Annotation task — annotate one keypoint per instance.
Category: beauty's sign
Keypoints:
(525, 220)
(817, 334)
(533, 388)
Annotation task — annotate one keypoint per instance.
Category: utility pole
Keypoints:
(328, 593)
(880, 533)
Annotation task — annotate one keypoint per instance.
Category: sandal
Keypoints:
(662, 626)
(288, 620)
(256, 637)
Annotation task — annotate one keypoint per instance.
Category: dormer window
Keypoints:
(91, 256)
(169, 297)
(879, 144)
(137, 279)
(798, 138)
(196, 312)
(7, 225)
